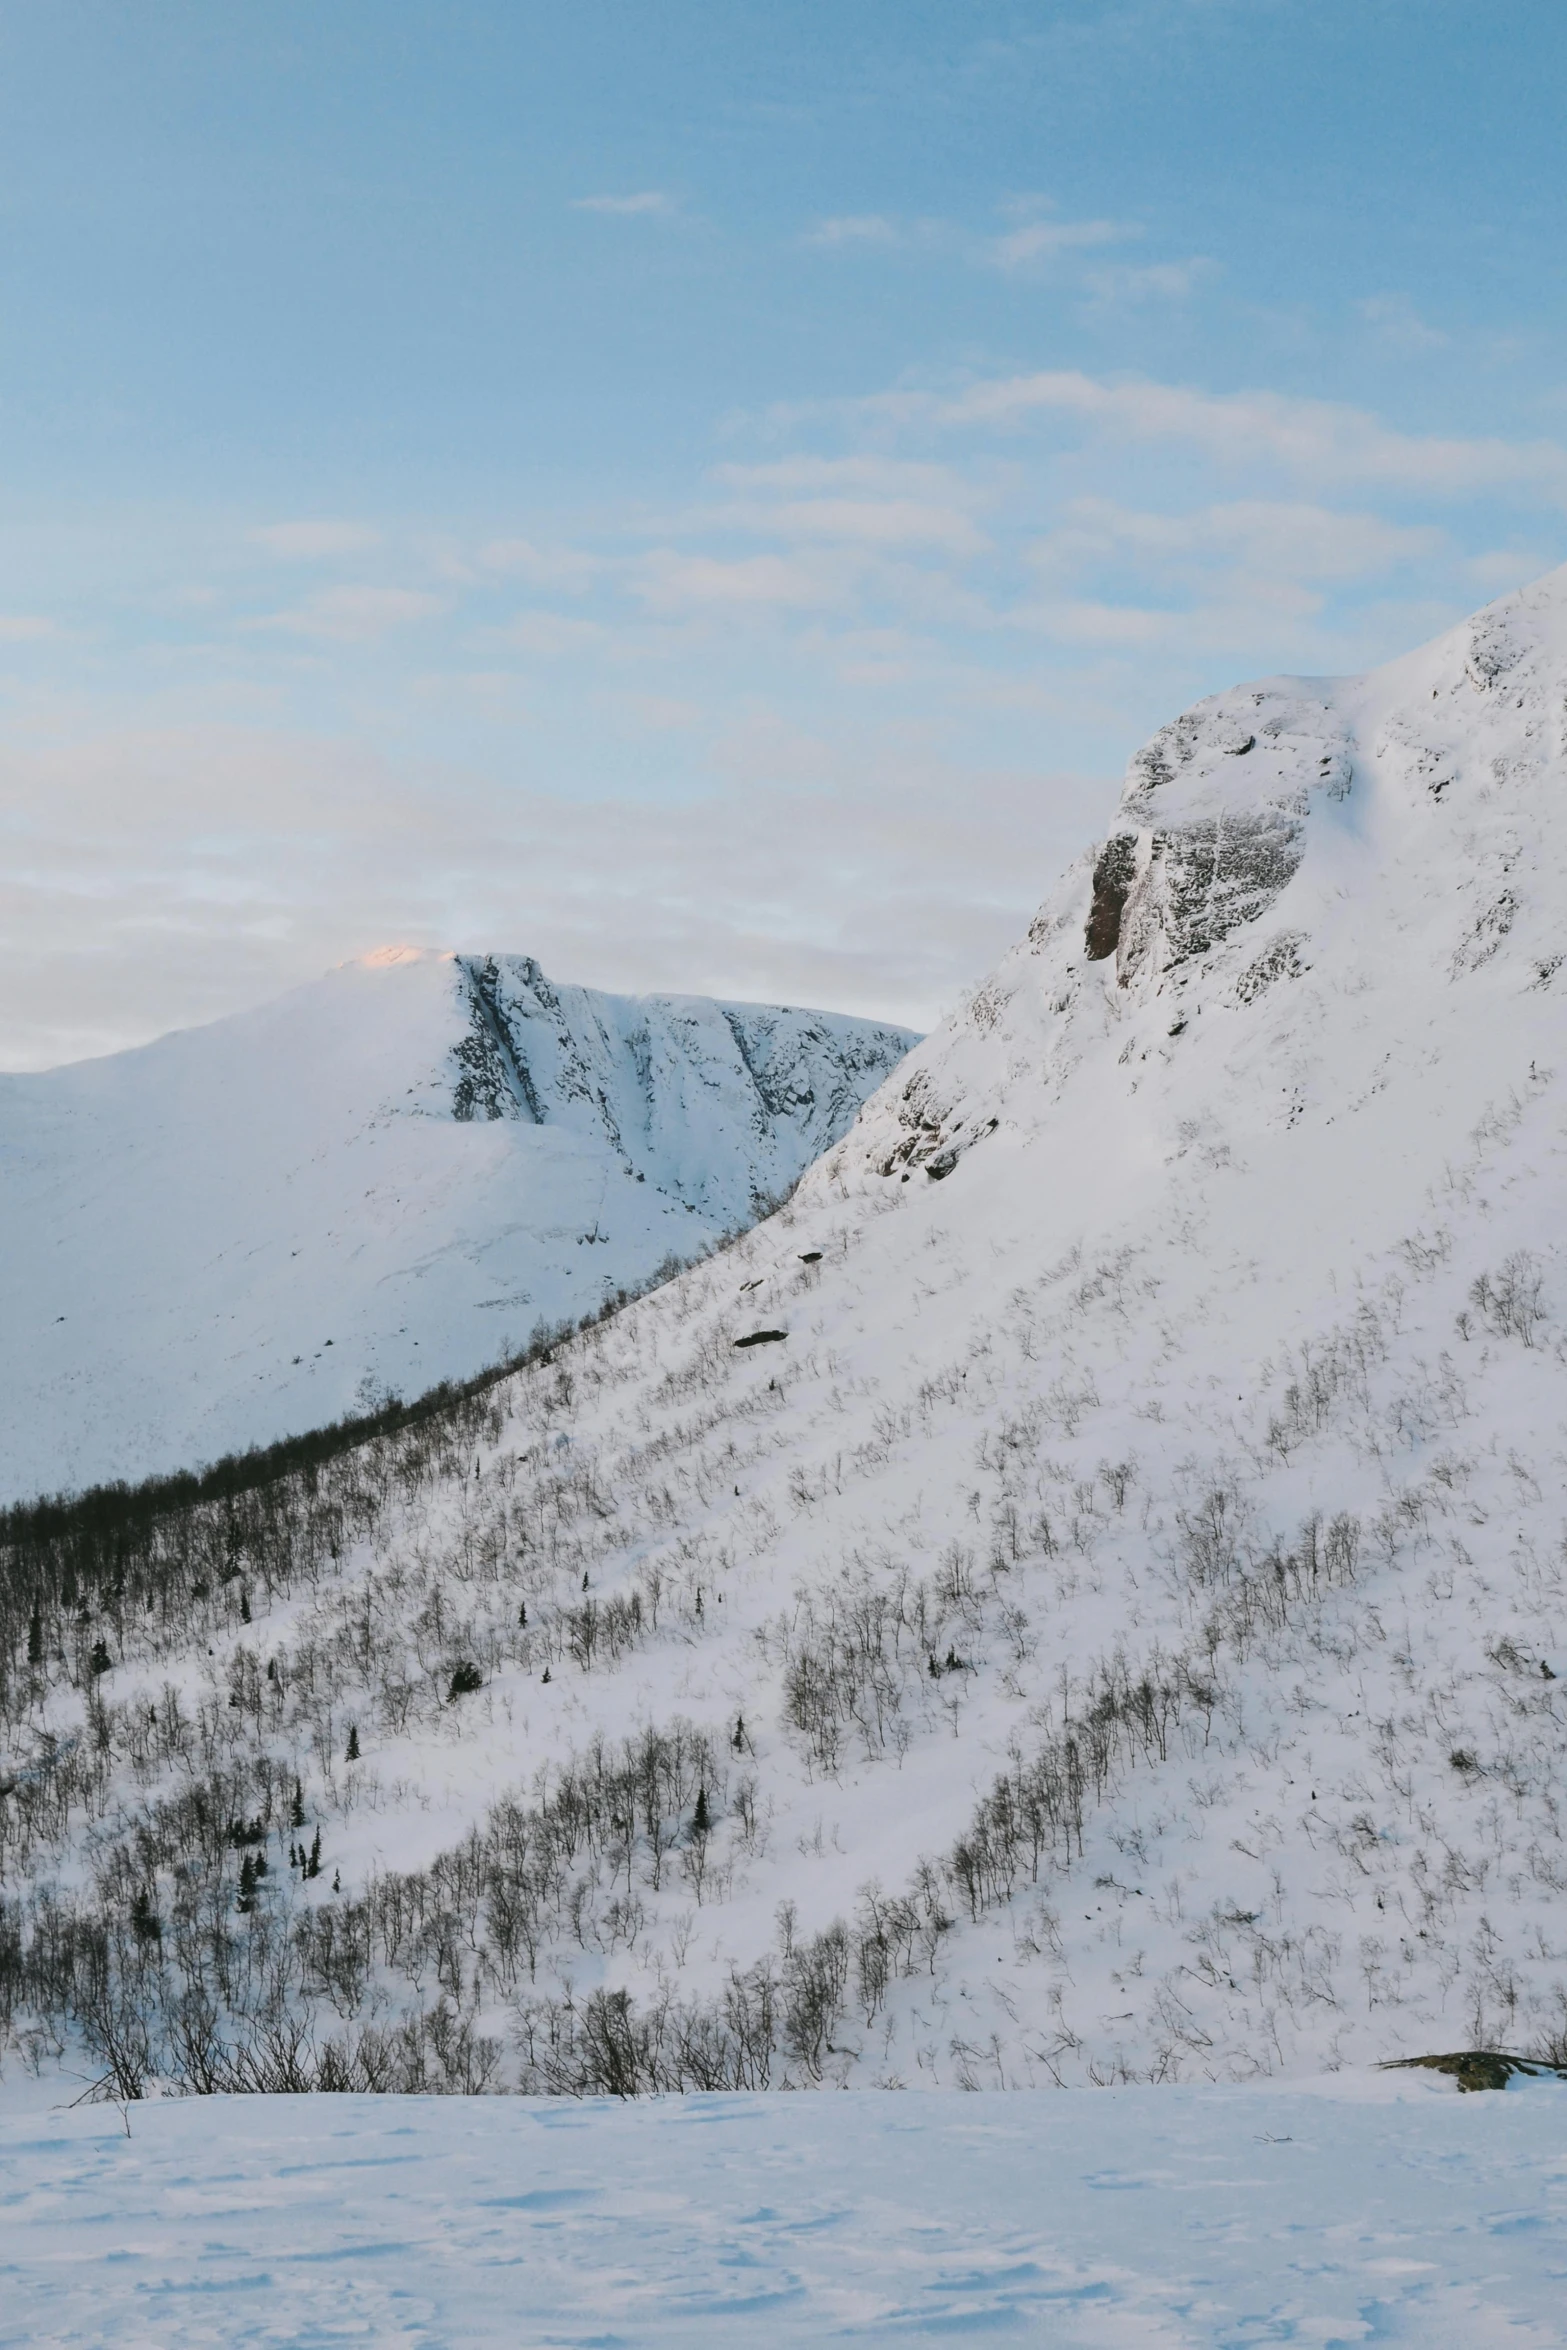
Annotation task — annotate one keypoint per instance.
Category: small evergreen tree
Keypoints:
(247, 1886)
(313, 1864)
(465, 1680)
(352, 1751)
(244, 1607)
(701, 1819)
(35, 1637)
(100, 1660)
(296, 1817)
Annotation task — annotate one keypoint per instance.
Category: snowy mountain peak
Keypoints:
(1360, 829)
(376, 1182)
(1211, 827)
(388, 958)
(723, 1103)
(1217, 811)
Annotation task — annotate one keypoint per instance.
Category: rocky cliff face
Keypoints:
(382, 1180)
(1386, 833)
(724, 1104)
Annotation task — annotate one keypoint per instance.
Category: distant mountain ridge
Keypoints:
(373, 1183)
(647, 1073)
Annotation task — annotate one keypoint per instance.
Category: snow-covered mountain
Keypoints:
(383, 1179)
(1080, 1594)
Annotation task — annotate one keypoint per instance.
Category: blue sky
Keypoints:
(713, 494)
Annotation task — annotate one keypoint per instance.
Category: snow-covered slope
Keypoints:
(1111, 1620)
(1138, 2220)
(376, 1182)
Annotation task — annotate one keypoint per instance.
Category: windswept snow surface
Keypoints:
(376, 1182)
(1119, 2220)
(1118, 1630)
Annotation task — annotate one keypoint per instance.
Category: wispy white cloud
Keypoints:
(1278, 537)
(672, 580)
(1237, 575)
(553, 636)
(855, 501)
(863, 522)
(1086, 620)
(354, 615)
(1496, 569)
(314, 541)
(663, 713)
(646, 200)
(566, 570)
(1155, 281)
(1319, 440)
(1397, 321)
(856, 228)
(1037, 241)
(26, 628)
(862, 471)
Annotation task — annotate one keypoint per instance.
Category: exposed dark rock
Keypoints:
(1281, 960)
(1113, 877)
(1203, 881)
(492, 1078)
(1493, 650)
(1480, 2068)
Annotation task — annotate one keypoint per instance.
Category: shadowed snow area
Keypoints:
(1079, 1596)
(389, 1177)
(1112, 2221)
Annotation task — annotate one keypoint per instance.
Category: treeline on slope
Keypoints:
(186, 1966)
(70, 1563)
(780, 2017)
(193, 1959)
(176, 1955)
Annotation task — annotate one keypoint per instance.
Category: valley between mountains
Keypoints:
(1077, 1595)
(386, 1178)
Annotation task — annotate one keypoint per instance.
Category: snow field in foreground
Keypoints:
(1357, 2209)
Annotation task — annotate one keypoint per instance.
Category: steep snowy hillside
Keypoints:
(385, 1179)
(1079, 1595)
